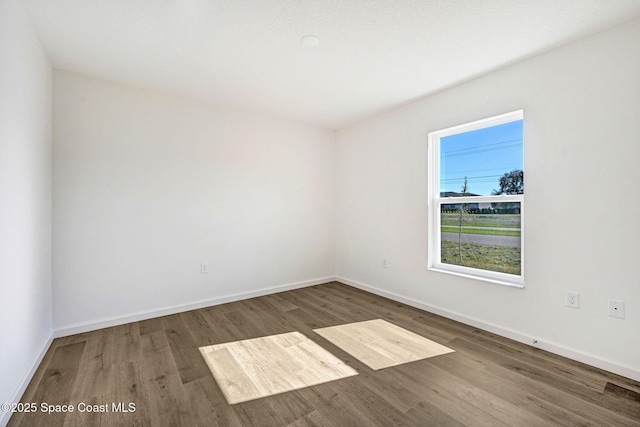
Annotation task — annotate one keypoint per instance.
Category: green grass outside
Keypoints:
(481, 220)
(484, 257)
(506, 232)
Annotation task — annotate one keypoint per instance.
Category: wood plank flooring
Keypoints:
(264, 366)
(156, 365)
(380, 344)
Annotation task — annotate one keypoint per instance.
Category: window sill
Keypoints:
(477, 277)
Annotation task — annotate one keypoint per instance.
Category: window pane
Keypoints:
(483, 162)
(481, 235)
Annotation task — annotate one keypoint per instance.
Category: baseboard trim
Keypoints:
(538, 342)
(26, 379)
(115, 321)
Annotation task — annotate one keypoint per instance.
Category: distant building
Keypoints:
(453, 206)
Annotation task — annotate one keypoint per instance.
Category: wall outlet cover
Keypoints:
(573, 299)
(616, 308)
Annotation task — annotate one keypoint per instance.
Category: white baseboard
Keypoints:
(17, 395)
(559, 349)
(115, 321)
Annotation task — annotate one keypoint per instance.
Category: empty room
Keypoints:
(319, 213)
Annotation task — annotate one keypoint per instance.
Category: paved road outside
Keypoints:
(483, 239)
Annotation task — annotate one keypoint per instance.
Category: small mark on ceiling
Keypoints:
(310, 40)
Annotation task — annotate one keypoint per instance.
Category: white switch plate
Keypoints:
(616, 308)
(204, 268)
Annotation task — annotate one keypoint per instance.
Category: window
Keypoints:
(476, 199)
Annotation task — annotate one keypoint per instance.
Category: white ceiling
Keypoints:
(247, 54)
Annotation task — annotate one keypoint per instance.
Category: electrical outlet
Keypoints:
(384, 263)
(573, 300)
(204, 268)
(616, 308)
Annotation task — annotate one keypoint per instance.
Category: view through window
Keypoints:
(477, 197)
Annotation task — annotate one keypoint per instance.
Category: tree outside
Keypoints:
(510, 183)
(463, 210)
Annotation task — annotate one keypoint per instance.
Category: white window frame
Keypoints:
(435, 202)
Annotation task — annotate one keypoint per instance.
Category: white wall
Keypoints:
(148, 185)
(25, 202)
(582, 128)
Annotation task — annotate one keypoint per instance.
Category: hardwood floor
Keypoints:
(156, 365)
(261, 367)
(380, 344)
